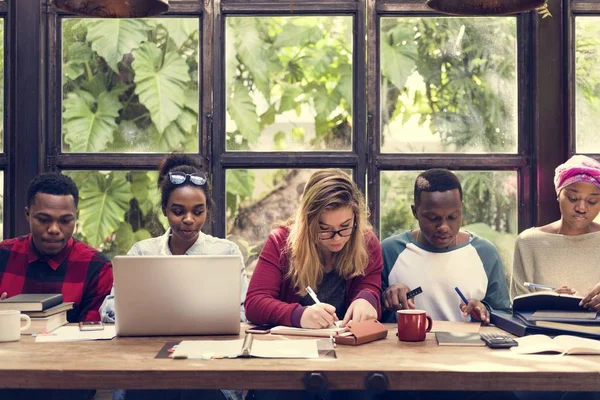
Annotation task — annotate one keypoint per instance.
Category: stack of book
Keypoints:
(548, 313)
(47, 311)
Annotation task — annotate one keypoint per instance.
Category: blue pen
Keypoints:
(474, 314)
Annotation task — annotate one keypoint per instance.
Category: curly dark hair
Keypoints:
(52, 183)
(436, 180)
(177, 162)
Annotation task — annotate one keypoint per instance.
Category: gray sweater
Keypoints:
(555, 260)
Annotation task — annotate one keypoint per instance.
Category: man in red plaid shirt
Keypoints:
(49, 260)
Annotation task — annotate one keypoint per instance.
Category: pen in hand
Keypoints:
(474, 313)
(313, 296)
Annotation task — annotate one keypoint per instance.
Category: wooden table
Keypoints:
(129, 363)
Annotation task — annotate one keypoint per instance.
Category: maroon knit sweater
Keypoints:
(271, 299)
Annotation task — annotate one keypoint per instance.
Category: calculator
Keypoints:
(498, 340)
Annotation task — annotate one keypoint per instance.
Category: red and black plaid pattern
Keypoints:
(82, 274)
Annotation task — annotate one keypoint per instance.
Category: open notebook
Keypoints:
(247, 347)
(563, 344)
(325, 332)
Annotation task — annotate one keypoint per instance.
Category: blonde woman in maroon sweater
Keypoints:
(327, 245)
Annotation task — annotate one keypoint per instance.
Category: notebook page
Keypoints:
(206, 349)
(290, 330)
(536, 344)
(578, 345)
(285, 349)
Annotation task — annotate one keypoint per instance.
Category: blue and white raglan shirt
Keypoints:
(474, 267)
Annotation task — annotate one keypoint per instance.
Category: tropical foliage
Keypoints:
(132, 86)
(128, 86)
(587, 80)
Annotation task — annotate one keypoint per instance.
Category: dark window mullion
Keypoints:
(451, 161)
(359, 134)
(373, 113)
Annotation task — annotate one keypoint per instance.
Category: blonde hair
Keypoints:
(326, 190)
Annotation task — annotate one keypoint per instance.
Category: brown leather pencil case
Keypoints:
(362, 332)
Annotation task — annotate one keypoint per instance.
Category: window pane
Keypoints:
(289, 83)
(130, 85)
(490, 206)
(587, 89)
(117, 209)
(448, 85)
(257, 200)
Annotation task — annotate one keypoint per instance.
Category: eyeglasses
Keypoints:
(197, 178)
(344, 232)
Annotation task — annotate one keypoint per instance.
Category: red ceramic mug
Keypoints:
(412, 325)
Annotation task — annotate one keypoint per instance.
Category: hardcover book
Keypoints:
(31, 302)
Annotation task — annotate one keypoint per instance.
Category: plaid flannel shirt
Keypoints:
(82, 274)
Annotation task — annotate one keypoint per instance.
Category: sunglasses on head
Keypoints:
(197, 178)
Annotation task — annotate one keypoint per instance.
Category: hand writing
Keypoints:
(477, 310)
(318, 316)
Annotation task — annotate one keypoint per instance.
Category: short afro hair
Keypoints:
(436, 180)
(52, 183)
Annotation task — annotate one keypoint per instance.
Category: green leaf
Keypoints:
(175, 136)
(104, 199)
(72, 71)
(296, 35)
(250, 49)
(268, 117)
(86, 130)
(141, 187)
(160, 84)
(280, 140)
(326, 102)
(192, 101)
(180, 29)
(240, 182)
(288, 98)
(243, 111)
(112, 38)
(396, 65)
(344, 85)
(125, 237)
(298, 135)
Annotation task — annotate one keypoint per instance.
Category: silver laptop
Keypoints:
(177, 295)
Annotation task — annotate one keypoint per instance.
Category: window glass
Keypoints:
(117, 209)
(448, 85)
(489, 207)
(130, 85)
(587, 84)
(288, 83)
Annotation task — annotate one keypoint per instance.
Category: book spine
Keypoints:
(506, 322)
(51, 302)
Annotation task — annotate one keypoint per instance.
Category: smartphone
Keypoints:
(91, 326)
(413, 293)
(266, 328)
